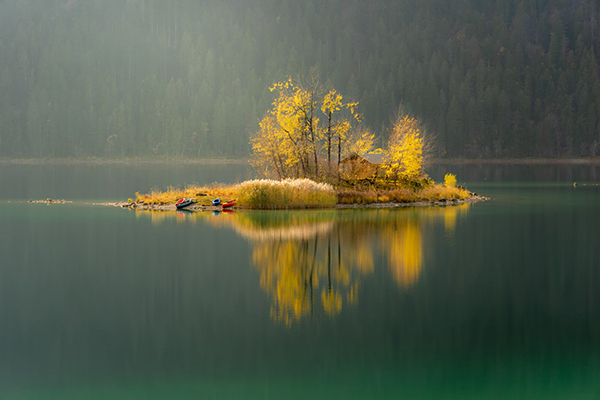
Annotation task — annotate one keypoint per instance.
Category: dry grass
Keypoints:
(400, 195)
(256, 194)
(437, 192)
(200, 194)
(288, 193)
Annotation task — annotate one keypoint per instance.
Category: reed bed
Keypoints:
(288, 193)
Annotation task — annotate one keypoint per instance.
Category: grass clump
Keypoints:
(288, 193)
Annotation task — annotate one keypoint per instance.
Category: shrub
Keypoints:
(450, 180)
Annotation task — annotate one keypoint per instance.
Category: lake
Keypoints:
(494, 300)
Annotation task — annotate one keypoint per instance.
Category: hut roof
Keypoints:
(371, 158)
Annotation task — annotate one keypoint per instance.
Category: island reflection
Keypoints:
(313, 262)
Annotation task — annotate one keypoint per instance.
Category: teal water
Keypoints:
(496, 300)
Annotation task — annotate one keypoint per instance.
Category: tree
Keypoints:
(340, 128)
(291, 141)
(405, 153)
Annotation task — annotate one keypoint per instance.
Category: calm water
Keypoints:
(490, 301)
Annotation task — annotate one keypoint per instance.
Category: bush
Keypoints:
(450, 180)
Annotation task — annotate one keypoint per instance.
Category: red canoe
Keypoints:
(230, 203)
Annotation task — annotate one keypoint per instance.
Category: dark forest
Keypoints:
(190, 78)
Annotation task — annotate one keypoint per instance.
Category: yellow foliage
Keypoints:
(404, 155)
(331, 103)
(450, 180)
(293, 141)
(361, 142)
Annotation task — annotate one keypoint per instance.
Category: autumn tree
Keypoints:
(295, 139)
(282, 143)
(269, 157)
(339, 134)
(407, 148)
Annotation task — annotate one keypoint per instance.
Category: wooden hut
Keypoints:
(356, 166)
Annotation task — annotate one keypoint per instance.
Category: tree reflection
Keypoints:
(313, 262)
(403, 243)
(302, 266)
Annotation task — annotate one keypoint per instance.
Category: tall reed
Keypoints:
(288, 193)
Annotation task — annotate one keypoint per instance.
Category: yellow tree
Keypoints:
(291, 140)
(287, 136)
(268, 157)
(360, 140)
(405, 153)
(340, 128)
(332, 102)
(289, 125)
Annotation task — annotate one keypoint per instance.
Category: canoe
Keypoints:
(181, 203)
(230, 203)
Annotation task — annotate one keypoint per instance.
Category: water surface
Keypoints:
(493, 300)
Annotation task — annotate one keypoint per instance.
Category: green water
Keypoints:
(491, 301)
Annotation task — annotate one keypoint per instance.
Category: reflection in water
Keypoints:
(314, 261)
(405, 251)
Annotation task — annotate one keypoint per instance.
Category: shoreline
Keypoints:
(339, 206)
(238, 161)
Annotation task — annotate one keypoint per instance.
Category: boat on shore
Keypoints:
(229, 204)
(182, 203)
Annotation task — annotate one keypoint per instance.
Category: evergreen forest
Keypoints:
(191, 78)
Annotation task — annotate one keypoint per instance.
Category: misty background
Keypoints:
(191, 78)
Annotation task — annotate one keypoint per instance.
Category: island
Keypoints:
(261, 194)
(313, 151)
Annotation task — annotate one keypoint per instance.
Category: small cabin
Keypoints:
(356, 166)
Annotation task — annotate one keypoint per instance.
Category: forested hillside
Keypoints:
(114, 78)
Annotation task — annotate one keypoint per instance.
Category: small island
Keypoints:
(261, 194)
(313, 151)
